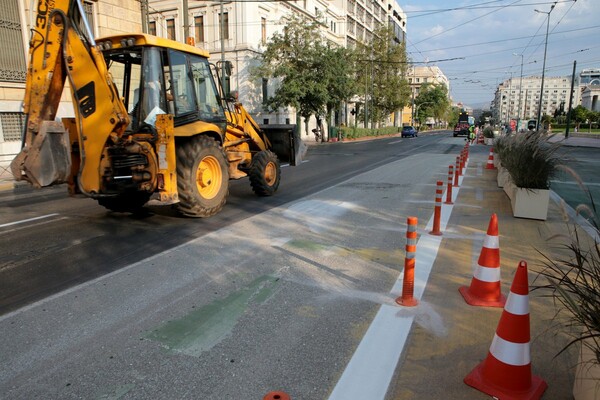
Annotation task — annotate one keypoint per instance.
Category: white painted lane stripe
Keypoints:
(510, 353)
(487, 274)
(23, 221)
(371, 368)
(517, 304)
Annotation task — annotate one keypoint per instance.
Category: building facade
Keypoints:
(513, 101)
(419, 76)
(247, 26)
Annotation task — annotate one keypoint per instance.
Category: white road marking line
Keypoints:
(23, 221)
(371, 368)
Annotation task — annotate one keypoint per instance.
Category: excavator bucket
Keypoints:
(285, 143)
(47, 160)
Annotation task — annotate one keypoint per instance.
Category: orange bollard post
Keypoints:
(277, 396)
(449, 189)
(456, 171)
(437, 213)
(408, 284)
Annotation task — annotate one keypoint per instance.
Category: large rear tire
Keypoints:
(127, 202)
(202, 177)
(264, 173)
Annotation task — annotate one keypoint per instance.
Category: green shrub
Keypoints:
(355, 133)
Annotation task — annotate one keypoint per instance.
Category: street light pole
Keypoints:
(539, 114)
(520, 92)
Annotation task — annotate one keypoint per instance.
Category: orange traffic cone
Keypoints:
(506, 372)
(276, 396)
(490, 161)
(485, 285)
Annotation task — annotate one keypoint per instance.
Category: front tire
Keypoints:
(202, 177)
(264, 173)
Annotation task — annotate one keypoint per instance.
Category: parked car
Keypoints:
(409, 131)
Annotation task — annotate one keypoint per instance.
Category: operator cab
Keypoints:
(153, 80)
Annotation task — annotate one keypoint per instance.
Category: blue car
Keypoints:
(409, 131)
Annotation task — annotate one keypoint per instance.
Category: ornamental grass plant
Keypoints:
(530, 158)
(574, 284)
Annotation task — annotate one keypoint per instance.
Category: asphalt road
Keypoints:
(269, 294)
(77, 240)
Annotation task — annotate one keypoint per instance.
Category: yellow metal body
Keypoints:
(99, 153)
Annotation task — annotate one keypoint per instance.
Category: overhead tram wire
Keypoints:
(477, 7)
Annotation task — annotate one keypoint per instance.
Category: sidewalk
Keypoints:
(435, 365)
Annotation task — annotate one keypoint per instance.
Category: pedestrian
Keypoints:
(471, 134)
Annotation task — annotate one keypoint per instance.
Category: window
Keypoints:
(263, 29)
(199, 28)
(12, 125)
(171, 29)
(224, 24)
(12, 57)
(209, 105)
(152, 28)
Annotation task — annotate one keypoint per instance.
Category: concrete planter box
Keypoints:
(528, 203)
(503, 176)
(587, 375)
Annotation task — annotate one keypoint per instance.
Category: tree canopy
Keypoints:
(315, 75)
(432, 101)
(382, 67)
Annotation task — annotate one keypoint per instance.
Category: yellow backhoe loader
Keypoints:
(149, 120)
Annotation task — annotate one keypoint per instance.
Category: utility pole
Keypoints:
(520, 92)
(539, 114)
(570, 100)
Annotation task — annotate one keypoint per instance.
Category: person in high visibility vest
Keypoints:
(471, 134)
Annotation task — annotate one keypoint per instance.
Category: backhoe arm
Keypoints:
(60, 49)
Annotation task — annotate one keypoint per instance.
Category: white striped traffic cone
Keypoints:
(485, 286)
(506, 372)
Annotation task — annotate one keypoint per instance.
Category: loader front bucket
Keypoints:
(47, 160)
(285, 143)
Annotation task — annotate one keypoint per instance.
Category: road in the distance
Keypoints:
(76, 240)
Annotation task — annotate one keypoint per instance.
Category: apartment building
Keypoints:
(419, 76)
(105, 17)
(513, 101)
(247, 26)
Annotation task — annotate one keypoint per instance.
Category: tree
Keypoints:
(485, 118)
(579, 114)
(382, 68)
(432, 101)
(314, 75)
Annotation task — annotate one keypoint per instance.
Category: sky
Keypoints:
(482, 37)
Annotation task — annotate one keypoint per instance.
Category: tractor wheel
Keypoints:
(264, 173)
(128, 202)
(202, 177)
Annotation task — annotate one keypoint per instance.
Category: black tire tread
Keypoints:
(191, 203)
(257, 173)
